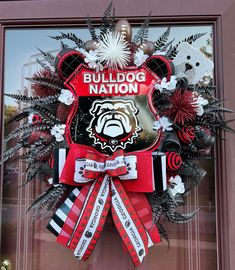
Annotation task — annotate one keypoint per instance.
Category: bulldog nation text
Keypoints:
(114, 83)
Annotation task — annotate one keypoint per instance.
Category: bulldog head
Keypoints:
(191, 63)
(114, 123)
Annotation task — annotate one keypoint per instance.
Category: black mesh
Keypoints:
(70, 64)
(159, 67)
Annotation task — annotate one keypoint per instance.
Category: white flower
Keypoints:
(163, 123)
(66, 97)
(30, 118)
(140, 58)
(50, 181)
(91, 58)
(200, 102)
(58, 131)
(99, 67)
(170, 85)
(81, 50)
(159, 53)
(178, 185)
(113, 50)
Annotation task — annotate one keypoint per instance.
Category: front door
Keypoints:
(28, 245)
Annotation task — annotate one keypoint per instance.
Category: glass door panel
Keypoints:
(29, 245)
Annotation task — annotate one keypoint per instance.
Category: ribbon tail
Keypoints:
(128, 223)
(91, 222)
(72, 209)
(144, 211)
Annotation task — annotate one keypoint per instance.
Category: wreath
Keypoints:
(116, 126)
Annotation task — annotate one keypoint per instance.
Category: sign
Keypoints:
(113, 109)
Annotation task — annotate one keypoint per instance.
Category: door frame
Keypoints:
(14, 14)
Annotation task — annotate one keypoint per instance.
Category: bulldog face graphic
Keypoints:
(114, 123)
(191, 63)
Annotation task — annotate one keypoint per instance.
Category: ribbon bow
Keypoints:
(86, 219)
(94, 165)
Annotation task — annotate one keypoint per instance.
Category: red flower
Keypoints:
(183, 107)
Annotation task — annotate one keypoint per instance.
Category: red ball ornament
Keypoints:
(173, 161)
(36, 119)
(186, 134)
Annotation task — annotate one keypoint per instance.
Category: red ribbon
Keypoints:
(131, 214)
(118, 170)
(144, 182)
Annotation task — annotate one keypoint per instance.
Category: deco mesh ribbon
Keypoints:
(115, 127)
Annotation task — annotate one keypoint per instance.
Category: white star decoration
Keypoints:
(113, 50)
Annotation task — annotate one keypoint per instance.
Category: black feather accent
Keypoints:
(176, 217)
(162, 40)
(193, 38)
(47, 201)
(48, 82)
(63, 45)
(142, 33)
(164, 48)
(70, 36)
(195, 156)
(161, 101)
(36, 168)
(163, 233)
(107, 20)
(48, 57)
(46, 100)
(172, 52)
(18, 117)
(21, 98)
(203, 90)
(47, 150)
(167, 204)
(36, 100)
(91, 28)
(43, 65)
(32, 171)
(27, 128)
(12, 151)
(157, 212)
(39, 150)
(45, 113)
(193, 171)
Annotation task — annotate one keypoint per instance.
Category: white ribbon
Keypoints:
(128, 223)
(94, 219)
(92, 165)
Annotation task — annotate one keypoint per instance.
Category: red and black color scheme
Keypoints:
(109, 123)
